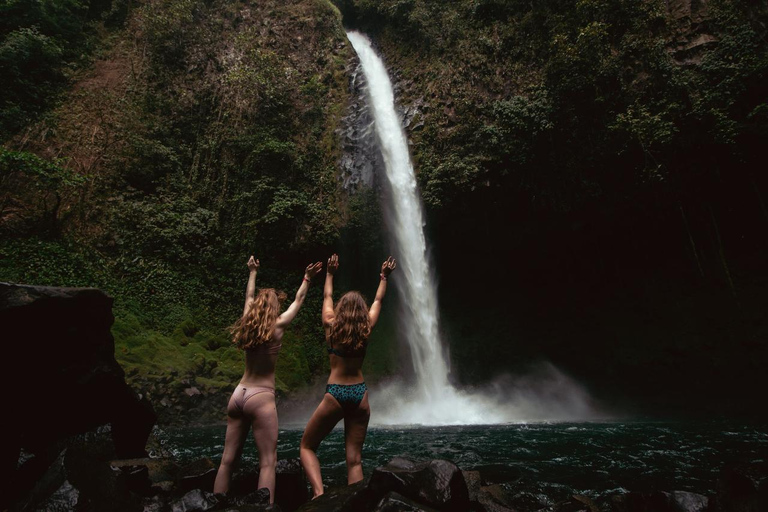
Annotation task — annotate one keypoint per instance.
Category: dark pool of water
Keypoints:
(549, 460)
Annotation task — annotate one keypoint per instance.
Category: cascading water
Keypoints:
(432, 400)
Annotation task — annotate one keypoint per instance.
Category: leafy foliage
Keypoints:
(40, 42)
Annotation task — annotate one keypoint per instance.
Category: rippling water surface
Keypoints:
(548, 460)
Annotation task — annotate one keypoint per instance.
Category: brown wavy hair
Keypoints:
(352, 326)
(257, 325)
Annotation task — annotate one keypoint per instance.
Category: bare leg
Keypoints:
(325, 417)
(261, 408)
(355, 428)
(237, 430)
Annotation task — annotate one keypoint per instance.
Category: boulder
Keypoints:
(134, 478)
(259, 497)
(743, 487)
(474, 482)
(394, 502)
(291, 489)
(154, 504)
(351, 498)
(576, 503)
(675, 501)
(71, 344)
(195, 501)
(198, 474)
(683, 501)
(641, 502)
(437, 483)
(527, 501)
(158, 470)
(64, 499)
(77, 476)
(192, 392)
(494, 498)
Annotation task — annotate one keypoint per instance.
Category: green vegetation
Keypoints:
(41, 42)
(213, 139)
(592, 156)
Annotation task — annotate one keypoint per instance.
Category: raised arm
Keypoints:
(375, 310)
(253, 267)
(290, 313)
(333, 265)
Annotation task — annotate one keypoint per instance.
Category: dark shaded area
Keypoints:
(63, 334)
(595, 190)
(397, 487)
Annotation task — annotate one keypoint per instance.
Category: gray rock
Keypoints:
(493, 498)
(257, 497)
(641, 502)
(64, 499)
(360, 158)
(192, 392)
(394, 502)
(683, 501)
(198, 474)
(195, 501)
(528, 501)
(154, 504)
(74, 348)
(743, 487)
(576, 503)
(350, 498)
(437, 483)
(474, 482)
(291, 489)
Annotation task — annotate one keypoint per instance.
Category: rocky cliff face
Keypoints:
(691, 33)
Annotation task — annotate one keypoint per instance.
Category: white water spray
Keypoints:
(432, 400)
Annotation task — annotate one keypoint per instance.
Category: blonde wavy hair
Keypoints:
(352, 326)
(257, 325)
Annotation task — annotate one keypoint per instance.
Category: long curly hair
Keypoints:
(351, 327)
(257, 325)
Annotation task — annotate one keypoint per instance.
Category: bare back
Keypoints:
(344, 370)
(260, 361)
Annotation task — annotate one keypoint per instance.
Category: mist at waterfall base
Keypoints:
(544, 394)
(430, 399)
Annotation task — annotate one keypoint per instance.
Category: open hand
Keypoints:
(388, 266)
(253, 265)
(313, 269)
(333, 264)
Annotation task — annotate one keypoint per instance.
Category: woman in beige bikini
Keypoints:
(258, 333)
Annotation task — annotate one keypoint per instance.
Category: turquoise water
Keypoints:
(548, 460)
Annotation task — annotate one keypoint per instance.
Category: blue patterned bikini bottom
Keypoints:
(349, 396)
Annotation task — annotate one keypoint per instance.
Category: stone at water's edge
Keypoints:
(291, 489)
(493, 498)
(195, 500)
(576, 503)
(675, 501)
(199, 474)
(743, 488)
(351, 498)
(60, 364)
(437, 483)
(394, 502)
(474, 482)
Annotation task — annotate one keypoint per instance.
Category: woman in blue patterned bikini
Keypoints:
(347, 327)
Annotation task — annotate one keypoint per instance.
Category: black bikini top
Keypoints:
(352, 353)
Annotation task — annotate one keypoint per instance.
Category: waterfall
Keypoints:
(431, 400)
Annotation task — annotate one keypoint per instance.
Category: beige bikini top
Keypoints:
(269, 347)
